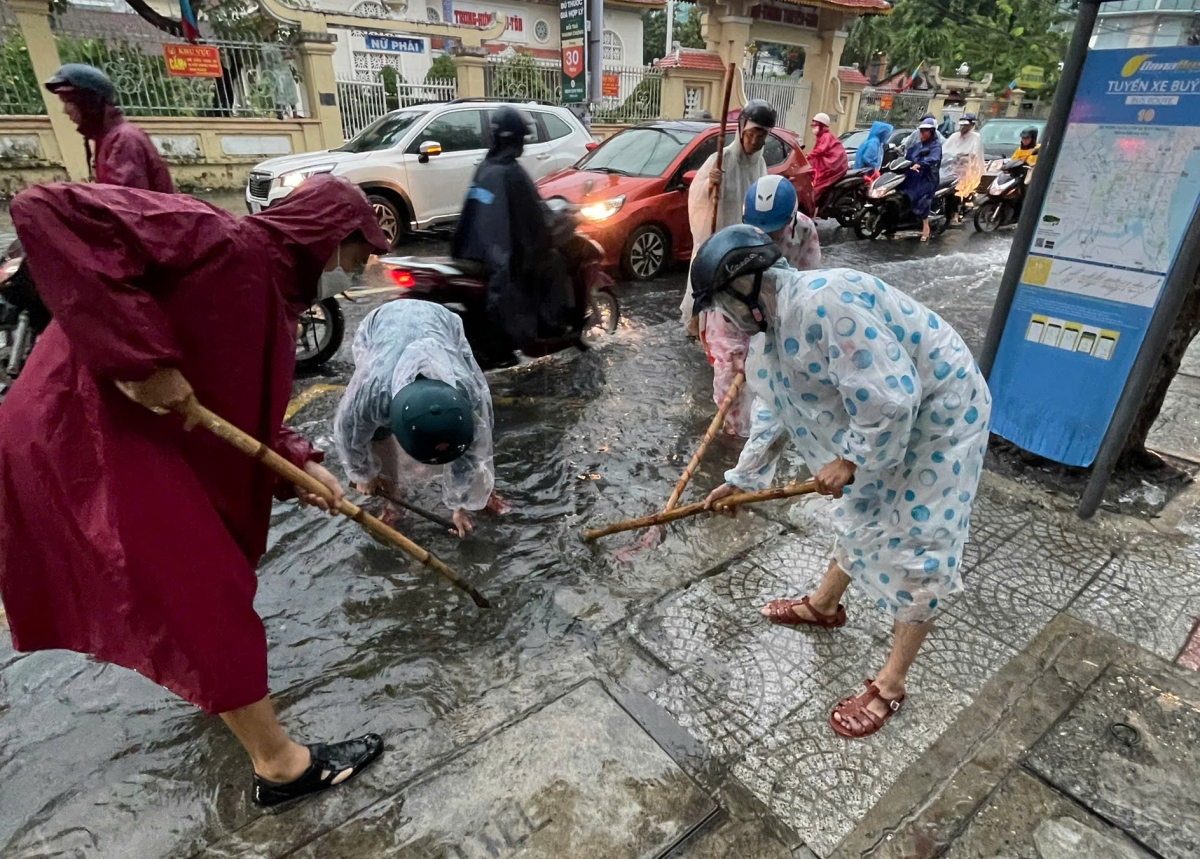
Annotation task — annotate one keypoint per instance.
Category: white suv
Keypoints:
(416, 163)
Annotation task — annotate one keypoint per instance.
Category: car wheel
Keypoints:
(645, 254)
(391, 219)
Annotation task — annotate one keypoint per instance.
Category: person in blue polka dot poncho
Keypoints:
(886, 404)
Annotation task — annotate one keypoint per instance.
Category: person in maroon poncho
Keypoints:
(828, 156)
(122, 535)
(124, 153)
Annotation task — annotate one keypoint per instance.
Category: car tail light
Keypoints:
(402, 277)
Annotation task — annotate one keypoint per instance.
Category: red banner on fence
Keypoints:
(610, 86)
(192, 61)
(885, 102)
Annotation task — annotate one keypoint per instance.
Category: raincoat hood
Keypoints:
(313, 220)
(881, 131)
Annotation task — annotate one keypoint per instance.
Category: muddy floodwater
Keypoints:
(96, 761)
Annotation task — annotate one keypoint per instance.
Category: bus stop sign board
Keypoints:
(1124, 190)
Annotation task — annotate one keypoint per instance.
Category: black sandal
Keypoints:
(329, 760)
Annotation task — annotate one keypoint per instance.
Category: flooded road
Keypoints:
(96, 761)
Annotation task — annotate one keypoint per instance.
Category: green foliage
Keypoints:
(442, 69)
(654, 31)
(641, 104)
(19, 91)
(519, 76)
(997, 36)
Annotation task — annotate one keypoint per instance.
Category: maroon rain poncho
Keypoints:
(828, 160)
(126, 156)
(122, 535)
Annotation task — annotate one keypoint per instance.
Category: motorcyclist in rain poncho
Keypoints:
(886, 405)
(741, 167)
(827, 156)
(962, 159)
(922, 180)
(870, 154)
(399, 349)
(504, 226)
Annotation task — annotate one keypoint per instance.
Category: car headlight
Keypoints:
(602, 210)
(294, 179)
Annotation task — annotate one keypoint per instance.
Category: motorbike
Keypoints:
(22, 315)
(887, 210)
(1005, 197)
(319, 333)
(844, 198)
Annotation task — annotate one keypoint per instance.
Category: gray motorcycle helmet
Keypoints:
(81, 76)
(729, 254)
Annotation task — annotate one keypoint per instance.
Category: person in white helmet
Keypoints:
(828, 156)
(962, 159)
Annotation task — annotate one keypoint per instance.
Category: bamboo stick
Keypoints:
(713, 428)
(420, 511)
(737, 499)
(247, 444)
(729, 73)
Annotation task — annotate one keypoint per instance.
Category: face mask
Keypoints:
(334, 282)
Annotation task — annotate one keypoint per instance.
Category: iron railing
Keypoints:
(520, 76)
(20, 94)
(896, 108)
(630, 94)
(362, 102)
(252, 79)
(784, 94)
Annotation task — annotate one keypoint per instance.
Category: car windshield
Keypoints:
(855, 139)
(1002, 133)
(383, 133)
(637, 152)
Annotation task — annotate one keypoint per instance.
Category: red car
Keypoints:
(632, 190)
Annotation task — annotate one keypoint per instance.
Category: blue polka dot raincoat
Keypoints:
(853, 368)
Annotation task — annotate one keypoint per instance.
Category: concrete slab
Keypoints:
(1177, 430)
(1026, 817)
(576, 778)
(1130, 751)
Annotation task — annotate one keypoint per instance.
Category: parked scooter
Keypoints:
(887, 210)
(1005, 197)
(22, 315)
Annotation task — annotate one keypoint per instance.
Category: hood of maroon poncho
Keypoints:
(313, 220)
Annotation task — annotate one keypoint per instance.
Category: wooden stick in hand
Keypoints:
(195, 413)
(727, 503)
(735, 388)
(729, 73)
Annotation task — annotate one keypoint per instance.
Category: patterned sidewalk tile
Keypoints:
(822, 784)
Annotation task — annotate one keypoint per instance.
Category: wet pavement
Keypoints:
(602, 708)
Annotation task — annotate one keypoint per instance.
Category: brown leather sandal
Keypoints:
(783, 613)
(855, 707)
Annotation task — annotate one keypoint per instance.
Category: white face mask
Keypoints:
(334, 282)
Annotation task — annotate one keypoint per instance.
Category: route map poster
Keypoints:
(1122, 195)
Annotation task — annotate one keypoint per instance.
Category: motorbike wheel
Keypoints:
(847, 207)
(604, 315)
(869, 224)
(989, 216)
(319, 334)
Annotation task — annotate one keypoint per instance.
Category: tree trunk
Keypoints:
(1187, 325)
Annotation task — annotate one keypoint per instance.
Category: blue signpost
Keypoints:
(1093, 271)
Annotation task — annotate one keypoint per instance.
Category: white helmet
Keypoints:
(823, 118)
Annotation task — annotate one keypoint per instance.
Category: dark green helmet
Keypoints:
(432, 421)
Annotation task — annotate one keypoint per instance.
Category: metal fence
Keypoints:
(630, 94)
(252, 79)
(896, 108)
(520, 76)
(20, 94)
(786, 96)
(362, 102)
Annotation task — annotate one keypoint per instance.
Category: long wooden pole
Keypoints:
(729, 73)
(247, 444)
(718, 421)
(420, 511)
(726, 503)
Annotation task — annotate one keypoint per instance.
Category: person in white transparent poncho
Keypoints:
(886, 405)
(418, 408)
